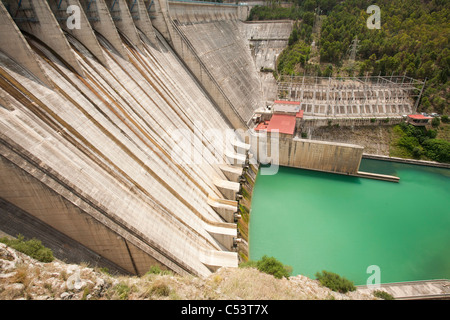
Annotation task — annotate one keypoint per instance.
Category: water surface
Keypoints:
(317, 221)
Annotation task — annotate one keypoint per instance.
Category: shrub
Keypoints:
(122, 290)
(432, 134)
(32, 248)
(437, 150)
(335, 282)
(157, 270)
(435, 122)
(272, 266)
(445, 119)
(383, 295)
(160, 289)
(269, 265)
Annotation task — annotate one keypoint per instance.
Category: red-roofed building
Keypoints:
(286, 118)
(418, 119)
(287, 102)
(282, 123)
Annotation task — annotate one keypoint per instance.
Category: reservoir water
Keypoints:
(316, 221)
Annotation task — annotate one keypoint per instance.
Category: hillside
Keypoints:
(413, 40)
(22, 277)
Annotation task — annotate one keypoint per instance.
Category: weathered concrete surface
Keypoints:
(14, 221)
(141, 18)
(267, 39)
(45, 28)
(412, 290)
(211, 44)
(84, 33)
(101, 21)
(21, 51)
(93, 157)
(290, 151)
(120, 12)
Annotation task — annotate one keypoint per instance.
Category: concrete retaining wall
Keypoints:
(313, 155)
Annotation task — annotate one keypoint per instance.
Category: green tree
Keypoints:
(435, 122)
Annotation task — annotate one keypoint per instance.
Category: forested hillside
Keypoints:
(413, 41)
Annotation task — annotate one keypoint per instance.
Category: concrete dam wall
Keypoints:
(89, 119)
(208, 38)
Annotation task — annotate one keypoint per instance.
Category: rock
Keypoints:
(99, 284)
(7, 275)
(72, 268)
(65, 295)
(15, 286)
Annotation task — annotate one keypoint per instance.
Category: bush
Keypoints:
(269, 265)
(160, 289)
(32, 248)
(437, 150)
(122, 290)
(157, 270)
(445, 119)
(335, 282)
(272, 266)
(435, 122)
(383, 295)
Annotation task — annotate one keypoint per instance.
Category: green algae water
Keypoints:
(316, 221)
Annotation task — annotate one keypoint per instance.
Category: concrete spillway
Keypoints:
(88, 122)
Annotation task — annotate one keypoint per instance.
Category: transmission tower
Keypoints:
(353, 49)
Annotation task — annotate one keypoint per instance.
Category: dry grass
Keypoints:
(226, 284)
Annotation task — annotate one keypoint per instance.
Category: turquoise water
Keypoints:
(316, 221)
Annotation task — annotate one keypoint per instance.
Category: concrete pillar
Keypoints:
(235, 159)
(232, 173)
(225, 208)
(84, 33)
(14, 45)
(124, 22)
(216, 259)
(223, 235)
(229, 189)
(161, 20)
(36, 18)
(142, 18)
(101, 21)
